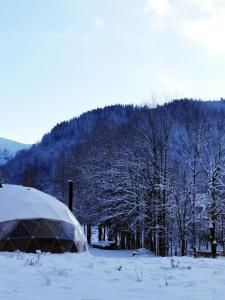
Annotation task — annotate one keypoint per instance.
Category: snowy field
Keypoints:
(109, 275)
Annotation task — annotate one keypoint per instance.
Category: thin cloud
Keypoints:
(201, 22)
(159, 7)
(208, 30)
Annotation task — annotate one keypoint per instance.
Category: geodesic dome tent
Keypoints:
(31, 220)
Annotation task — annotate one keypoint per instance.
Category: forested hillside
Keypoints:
(147, 177)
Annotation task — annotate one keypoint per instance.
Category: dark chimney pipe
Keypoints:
(70, 182)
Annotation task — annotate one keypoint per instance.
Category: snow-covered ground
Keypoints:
(109, 275)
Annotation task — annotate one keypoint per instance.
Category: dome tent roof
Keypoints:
(19, 202)
(24, 204)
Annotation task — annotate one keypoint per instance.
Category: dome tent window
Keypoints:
(31, 220)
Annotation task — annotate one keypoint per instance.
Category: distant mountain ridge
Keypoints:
(9, 148)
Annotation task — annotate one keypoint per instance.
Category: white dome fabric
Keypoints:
(25, 203)
(18, 202)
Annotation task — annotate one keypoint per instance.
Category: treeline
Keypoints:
(149, 177)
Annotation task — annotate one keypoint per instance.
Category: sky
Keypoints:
(60, 58)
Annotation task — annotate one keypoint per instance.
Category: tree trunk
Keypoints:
(183, 246)
(212, 227)
(212, 230)
(89, 233)
(138, 237)
(100, 233)
(123, 240)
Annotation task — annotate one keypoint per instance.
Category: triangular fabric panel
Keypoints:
(43, 231)
(20, 232)
(31, 225)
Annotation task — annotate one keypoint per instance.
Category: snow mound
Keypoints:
(104, 245)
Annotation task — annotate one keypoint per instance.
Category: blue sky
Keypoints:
(60, 58)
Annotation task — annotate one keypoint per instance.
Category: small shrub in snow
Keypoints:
(166, 281)
(135, 254)
(35, 260)
(38, 256)
(139, 274)
(141, 252)
(19, 255)
(174, 264)
(30, 262)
